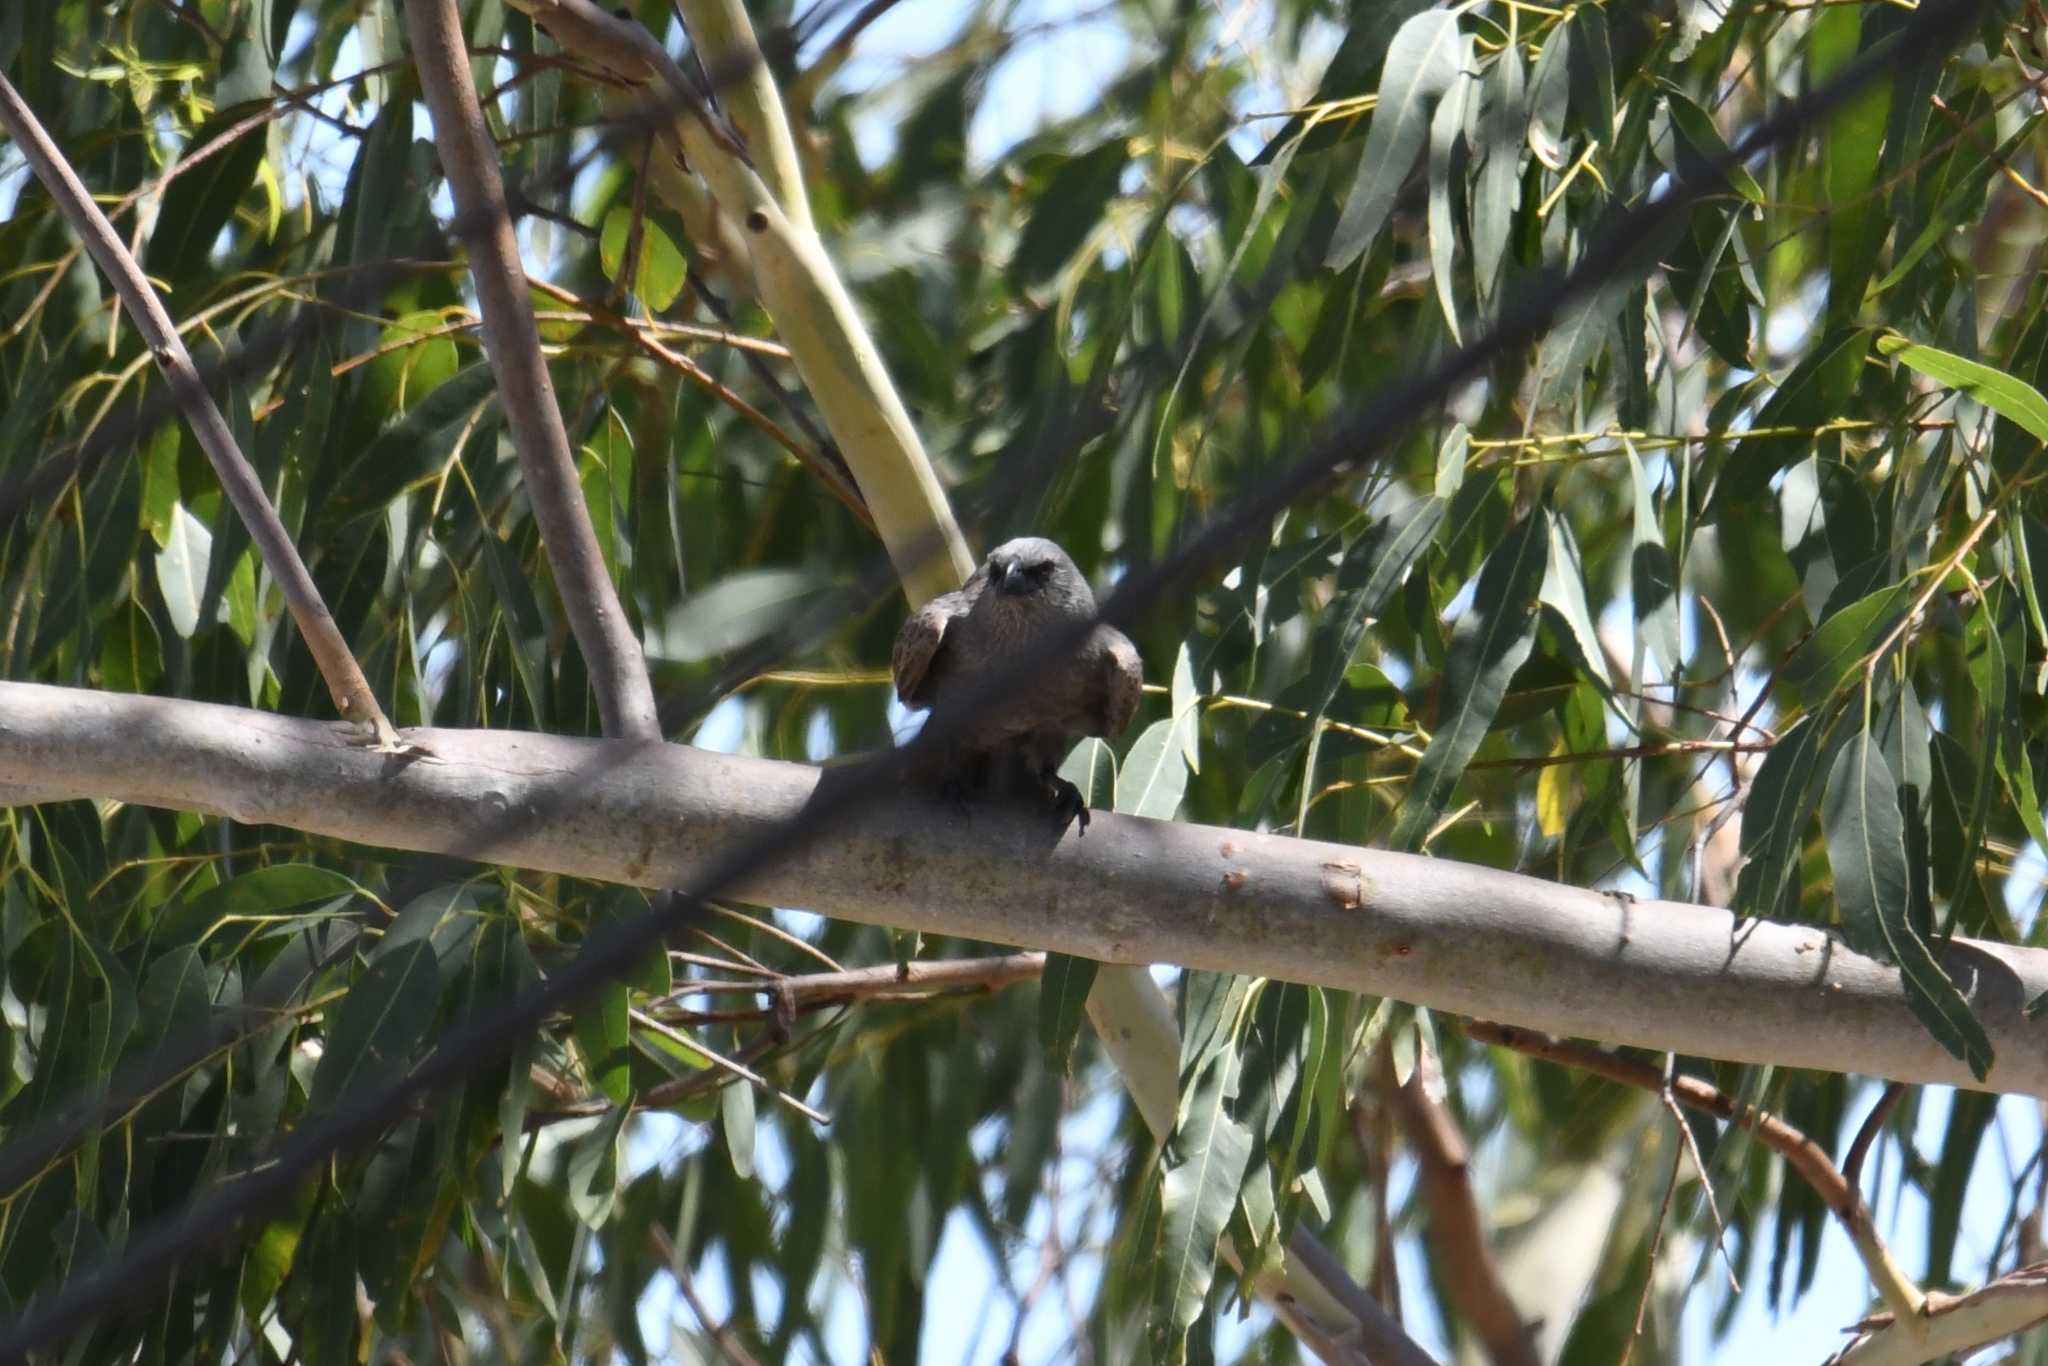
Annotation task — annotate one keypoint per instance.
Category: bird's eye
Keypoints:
(1041, 571)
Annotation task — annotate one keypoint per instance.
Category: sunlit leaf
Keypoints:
(1422, 61)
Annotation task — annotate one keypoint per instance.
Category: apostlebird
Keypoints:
(1014, 615)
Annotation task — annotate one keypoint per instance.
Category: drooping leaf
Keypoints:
(1866, 849)
(1421, 64)
(1446, 125)
(1206, 1163)
(1062, 1006)
(382, 1021)
(2011, 398)
(1488, 643)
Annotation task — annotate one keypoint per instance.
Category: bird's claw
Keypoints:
(1067, 802)
(958, 793)
(378, 737)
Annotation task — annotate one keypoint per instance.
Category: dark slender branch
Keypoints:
(618, 673)
(1873, 1125)
(1456, 1231)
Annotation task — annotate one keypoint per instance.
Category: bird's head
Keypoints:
(1033, 567)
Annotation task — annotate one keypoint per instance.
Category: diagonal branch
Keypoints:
(618, 673)
(345, 682)
(813, 313)
(1800, 1152)
(1471, 1275)
(725, 36)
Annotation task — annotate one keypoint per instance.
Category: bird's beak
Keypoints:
(1004, 572)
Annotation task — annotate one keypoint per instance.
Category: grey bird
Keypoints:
(1004, 618)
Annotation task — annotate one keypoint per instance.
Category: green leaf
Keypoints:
(415, 448)
(1355, 68)
(1062, 1005)
(1549, 96)
(659, 270)
(1501, 118)
(1851, 145)
(1488, 643)
(1445, 127)
(1092, 769)
(1422, 61)
(274, 890)
(1374, 565)
(735, 611)
(1866, 848)
(594, 1169)
(1062, 217)
(605, 1039)
(736, 1117)
(1782, 800)
(181, 570)
(1816, 391)
(174, 1001)
(1207, 1160)
(1970, 1116)
(384, 1018)
(200, 202)
(1653, 581)
(1210, 1004)
(131, 652)
(2011, 398)
(1841, 643)
(618, 906)
(1155, 772)
(1564, 592)
(1185, 701)
(160, 491)
(1699, 144)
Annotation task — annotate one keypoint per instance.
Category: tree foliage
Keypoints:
(1723, 591)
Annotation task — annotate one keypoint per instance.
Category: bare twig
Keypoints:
(1873, 1125)
(721, 1334)
(886, 983)
(345, 682)
(1690, 1146)
(1635, 1332)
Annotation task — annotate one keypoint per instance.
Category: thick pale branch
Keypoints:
(1471, 940)
(724, 35)
(344, 677)
(1953, 1324)
(618, 674)
(813, 313)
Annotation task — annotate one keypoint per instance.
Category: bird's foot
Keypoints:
(958, 792)
(1067, 802)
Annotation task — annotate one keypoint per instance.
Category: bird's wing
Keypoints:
(1123, 679)
(918, 646)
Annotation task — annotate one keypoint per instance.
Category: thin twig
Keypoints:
(1866, 1134)
(1691, 1147)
